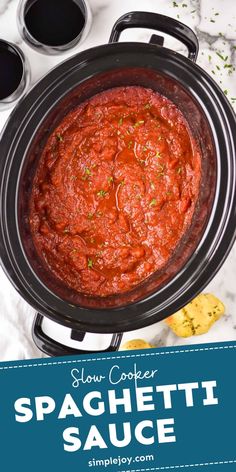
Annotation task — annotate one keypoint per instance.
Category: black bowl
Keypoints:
(207, 242)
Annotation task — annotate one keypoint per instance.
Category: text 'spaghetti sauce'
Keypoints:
(115, 190)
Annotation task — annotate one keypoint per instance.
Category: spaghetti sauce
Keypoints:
(114, 191)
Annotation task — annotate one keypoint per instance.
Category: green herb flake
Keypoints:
(184, 5)
(158, 154)
(221, 56)
(216, 14)
(209, 58)
(120, 121)
(145, 148)
(59, 137)
(193, 11)
(90, 216)
(122, 183)
(101, 193)
(138, 123)
(110, 179)
(178, 17)
(226, 92)
(130, 143)
(152, 185)
(212, 21)
(90, 263)
(153, 202)
(175, 5)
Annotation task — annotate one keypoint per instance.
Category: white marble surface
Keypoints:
(214, 22)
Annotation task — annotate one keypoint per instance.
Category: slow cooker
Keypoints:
(207, 242)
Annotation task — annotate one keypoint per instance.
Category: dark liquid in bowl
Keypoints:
(11, 70)
(54, 22)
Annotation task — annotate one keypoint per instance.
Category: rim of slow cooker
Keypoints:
(219, 245)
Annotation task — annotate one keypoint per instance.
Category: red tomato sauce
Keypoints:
(114, 191)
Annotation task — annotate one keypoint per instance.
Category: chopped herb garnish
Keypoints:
(110, 179)
(216, 14)
(213, 72)
(193, 11)
(158, 154)
(122, 183)
(209, 58)
(178, 17)
(175, 5)
(145, 148)
(120, 121)
(59, 137)
(130, 143)
(87, 173)
(153, 202)
(101, 193)
(179, 170)
(212, 21)
(90, 263)
(90, 216)
(152, 185)
(226, 92)
(138, 123)
(222, 57)
(184, 5)
(218, 67)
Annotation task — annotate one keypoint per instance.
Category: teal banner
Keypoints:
(151, 410)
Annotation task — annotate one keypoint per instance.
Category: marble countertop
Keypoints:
(214, 22)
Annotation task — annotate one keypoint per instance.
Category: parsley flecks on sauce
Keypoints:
(101, 193)
(59, 137)
(90, 263)
(153, 202)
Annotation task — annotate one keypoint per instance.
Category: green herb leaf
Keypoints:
(110, 179)
(101, 193)
(153, 202)
(138, 123)
(90, 263)
(59, 137)
(120, 121)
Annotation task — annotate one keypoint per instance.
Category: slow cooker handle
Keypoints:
(55, 349)
(165, 24)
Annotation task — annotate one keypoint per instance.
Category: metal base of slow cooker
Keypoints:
(57, 340)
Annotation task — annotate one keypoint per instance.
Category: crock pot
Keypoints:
(211, 119)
